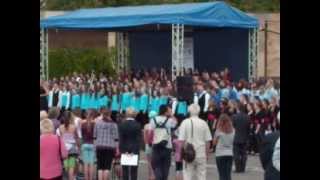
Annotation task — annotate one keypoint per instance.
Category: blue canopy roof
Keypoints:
(212, 14)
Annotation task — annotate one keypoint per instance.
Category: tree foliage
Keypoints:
(245, 5)
(64, 61)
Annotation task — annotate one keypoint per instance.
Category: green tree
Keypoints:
(65, 61)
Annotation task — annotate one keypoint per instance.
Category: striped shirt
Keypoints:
(106, 134)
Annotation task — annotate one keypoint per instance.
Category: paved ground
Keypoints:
(253, 172)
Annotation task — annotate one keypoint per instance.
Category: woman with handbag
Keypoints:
(223, 140)
(68, 133)
(52, 151)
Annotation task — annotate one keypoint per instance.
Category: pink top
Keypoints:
(50, 161)
(178, 149)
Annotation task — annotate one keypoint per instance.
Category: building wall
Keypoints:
(273, 54)
(81, 39)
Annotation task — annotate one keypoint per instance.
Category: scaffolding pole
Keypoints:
(47, 53)
(44, 66)
(41, 54)
(253, 54)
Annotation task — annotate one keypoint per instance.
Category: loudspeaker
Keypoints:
(185, 88)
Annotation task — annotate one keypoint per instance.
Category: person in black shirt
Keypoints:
(130, 141)
(241, 123)
(252, 143)
(43, 96)
(260, 116)
(212, 118)
(274, 110)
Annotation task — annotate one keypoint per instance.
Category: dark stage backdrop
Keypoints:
(214, 49)
(217, 48)
(150, 49)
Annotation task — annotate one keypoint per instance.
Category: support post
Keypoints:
(265, 48)
(41, 54)
(47, 53)
(253, 54)
(44, 65)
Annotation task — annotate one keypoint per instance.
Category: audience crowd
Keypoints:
(88, 121)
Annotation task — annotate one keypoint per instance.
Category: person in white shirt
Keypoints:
(276, 156)
(202, 98)
(276, 152)
(224, 140)
(64, 98)
(195, 131)
(161, 150)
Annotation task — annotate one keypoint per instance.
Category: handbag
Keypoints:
(188, 151)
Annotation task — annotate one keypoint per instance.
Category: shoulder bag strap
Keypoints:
(165, 122)
(191, 129)
(155, 122)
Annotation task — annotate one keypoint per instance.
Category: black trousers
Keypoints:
(224, 165)
(114, 116)
(203, 115)
(271, 173)
(130, 172)
(240, 156)
(253, 143)
(161, 161)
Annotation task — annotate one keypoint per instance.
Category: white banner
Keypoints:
(188, 53)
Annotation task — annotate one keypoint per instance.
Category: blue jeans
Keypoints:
(87, 153)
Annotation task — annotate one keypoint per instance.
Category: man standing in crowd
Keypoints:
(196, 132)
(276, 161)
(241, 123)
(162, 142)
(270, 155)
(202, 98)
(130, 139)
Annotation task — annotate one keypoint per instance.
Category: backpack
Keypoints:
(161, 135)
(188, 151)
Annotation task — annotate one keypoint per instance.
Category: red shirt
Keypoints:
(50, 159)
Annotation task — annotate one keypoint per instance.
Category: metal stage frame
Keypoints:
(44, 58)
(177, 68)
(253, 54)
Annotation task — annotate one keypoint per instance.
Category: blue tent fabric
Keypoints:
(211, 14)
